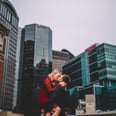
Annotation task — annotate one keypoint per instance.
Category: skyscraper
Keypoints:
(37, 59)
(8, 41)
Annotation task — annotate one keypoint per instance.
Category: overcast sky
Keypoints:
(76, 24)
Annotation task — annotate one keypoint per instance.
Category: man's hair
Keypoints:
(66, 78)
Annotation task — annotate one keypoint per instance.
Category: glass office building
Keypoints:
(94, 72)
(37, 63)
(8, 41)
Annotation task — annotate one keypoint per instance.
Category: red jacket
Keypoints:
(46, 90)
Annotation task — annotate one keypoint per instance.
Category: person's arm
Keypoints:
(49, 85)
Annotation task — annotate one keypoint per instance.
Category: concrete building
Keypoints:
(8, 42)
(59, 59)
(94, 72)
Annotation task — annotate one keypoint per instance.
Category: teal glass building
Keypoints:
(94, 72)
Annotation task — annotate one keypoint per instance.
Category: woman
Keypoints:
(46, 90)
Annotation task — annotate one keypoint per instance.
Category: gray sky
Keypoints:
(76, 24)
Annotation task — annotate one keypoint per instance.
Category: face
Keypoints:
(57, 76)
(60, 79)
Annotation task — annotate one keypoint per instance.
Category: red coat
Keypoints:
(46, 90)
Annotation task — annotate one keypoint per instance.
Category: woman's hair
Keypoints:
(66, 78)
(55, 71)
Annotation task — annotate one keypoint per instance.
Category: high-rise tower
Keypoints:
(8, 41)
(36, 63)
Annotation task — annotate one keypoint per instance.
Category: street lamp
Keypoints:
(78, 89)
(94, 92)
(94, 86)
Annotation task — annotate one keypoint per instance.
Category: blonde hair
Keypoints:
(55, 71)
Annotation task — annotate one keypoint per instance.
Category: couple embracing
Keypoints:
(52, 96)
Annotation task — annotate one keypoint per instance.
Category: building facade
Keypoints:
(35, 64)
(18, 68)
(59, 59)
(94, 72)
(8, 41)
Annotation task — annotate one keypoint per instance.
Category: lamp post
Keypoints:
(78, 89)
(94, 86)
(94, 91)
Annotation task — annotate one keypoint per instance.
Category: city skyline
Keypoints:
(76, 24)
(24, 66)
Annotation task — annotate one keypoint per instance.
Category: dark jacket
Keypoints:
(59, 97)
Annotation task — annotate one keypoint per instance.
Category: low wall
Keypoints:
(10, 114)
(98, 114)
